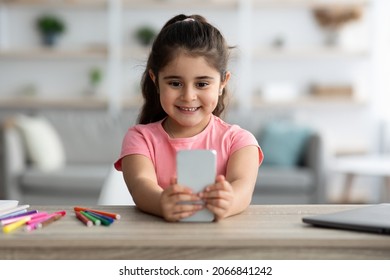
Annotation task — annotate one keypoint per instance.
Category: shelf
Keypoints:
(142, 52)
(55, 53)
(169, 4)
(47, 103)
(58, 3)
(308, 53)
(66, 103)
(158, 4)
(306, 3)
(307, 102)
(135, 52)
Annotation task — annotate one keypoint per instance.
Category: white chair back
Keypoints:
(114, 190)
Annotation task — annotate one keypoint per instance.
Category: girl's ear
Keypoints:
(225, 80)
(152, 76)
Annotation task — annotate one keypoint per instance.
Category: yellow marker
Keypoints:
(10, 227)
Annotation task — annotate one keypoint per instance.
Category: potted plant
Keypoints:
(50, 26)
(145, 35)
(95, 79)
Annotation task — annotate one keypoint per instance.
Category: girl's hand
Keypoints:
(219, 197)
(175, 202)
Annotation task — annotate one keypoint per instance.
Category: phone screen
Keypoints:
(196, 169)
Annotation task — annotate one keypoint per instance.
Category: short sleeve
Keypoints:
(133, 143)
(242, 138)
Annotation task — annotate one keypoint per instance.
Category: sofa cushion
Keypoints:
(75, 179)
(91, 136)
(43, 144)
(283, 143)
(284, 179)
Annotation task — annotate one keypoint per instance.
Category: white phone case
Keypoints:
(197, 169)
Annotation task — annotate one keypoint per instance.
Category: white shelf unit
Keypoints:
(237, 18)
(302, 59)
(57, 76)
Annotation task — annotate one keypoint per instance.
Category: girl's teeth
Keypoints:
(188, 109)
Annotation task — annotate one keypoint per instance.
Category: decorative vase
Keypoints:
(49, 39)
(332, 37)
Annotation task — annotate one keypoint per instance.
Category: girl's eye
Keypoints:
(175, 84)
(202, 84)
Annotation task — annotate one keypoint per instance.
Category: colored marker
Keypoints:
(24, 213)
(15, 225)
(14, 211)
(108, 214)
(106, 221)
(33, 223)
(84, 219)
(96, 221)
(52, 219)
(38, 222)
(39, 219)
(14, 219)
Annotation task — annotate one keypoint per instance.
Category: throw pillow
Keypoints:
(283, 143)
(43, 144)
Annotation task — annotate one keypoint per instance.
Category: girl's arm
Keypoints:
(141, 180)
(233, 194)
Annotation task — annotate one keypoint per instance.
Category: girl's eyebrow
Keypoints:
(171, 77)
(197, 78)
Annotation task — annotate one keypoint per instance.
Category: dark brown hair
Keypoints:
(196, 37)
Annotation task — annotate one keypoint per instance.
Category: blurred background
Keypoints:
(321, 65)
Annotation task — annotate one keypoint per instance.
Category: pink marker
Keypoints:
(32, 224)
(36, 223)
(32, 216)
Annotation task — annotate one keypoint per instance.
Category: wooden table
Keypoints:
(367, 165)
(261, 232)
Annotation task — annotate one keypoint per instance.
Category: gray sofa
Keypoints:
(302, 184)
(92, 141)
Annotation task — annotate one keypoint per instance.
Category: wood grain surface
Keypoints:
(261, 232)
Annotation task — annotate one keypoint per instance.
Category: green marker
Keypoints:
(106, 221)
(92, 218)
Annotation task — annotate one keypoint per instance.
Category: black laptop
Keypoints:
(372, 218)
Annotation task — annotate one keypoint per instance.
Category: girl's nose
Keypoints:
(188, 93)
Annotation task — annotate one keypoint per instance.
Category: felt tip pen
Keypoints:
(106, 221)
(34, 223)
(104, 213)
(38, 219)
(14, 219)
(37, 222)
(14, 211)
(96, 221)
(15, 225)
(84, 219)
(17, 214)
(52, 219)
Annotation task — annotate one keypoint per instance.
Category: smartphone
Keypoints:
(196, 169)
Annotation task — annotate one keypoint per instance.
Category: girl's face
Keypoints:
(189, 91)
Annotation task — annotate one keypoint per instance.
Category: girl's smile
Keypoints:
(188, 109)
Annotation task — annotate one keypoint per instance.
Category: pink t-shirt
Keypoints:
(152, 141)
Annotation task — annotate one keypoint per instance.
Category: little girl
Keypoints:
(184, 87)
